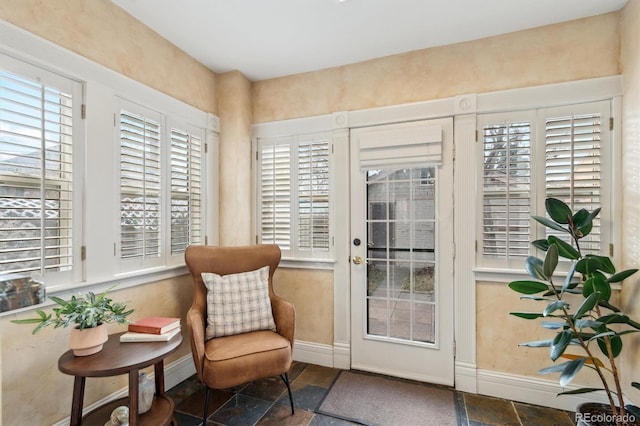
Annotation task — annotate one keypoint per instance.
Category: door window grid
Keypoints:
(401, 254)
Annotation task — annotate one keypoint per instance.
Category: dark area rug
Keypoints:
(380, 401)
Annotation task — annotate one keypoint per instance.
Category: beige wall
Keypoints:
(104, 33)
(570, 51)
(631, 183)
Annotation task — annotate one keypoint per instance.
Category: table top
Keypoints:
(117, 358)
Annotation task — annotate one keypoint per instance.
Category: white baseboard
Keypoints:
(531, 390)
(466, 378)
(313, 353)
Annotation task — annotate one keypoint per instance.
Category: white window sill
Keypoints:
(291, 263)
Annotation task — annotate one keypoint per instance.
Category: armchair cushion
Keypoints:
(238, 303)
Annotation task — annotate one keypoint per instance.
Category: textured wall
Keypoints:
(101, 31)
(631, 184)
(569, 51)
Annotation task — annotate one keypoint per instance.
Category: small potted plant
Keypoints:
(595, 326)
(88, 314)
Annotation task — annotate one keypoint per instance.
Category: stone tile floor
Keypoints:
(266, 402)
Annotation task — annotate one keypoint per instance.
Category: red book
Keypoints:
(154, 325)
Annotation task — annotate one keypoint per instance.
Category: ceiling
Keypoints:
(264, 39)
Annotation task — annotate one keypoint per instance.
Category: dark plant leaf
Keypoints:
(536, 298)
(558, 210)
(598, 283)
(537, 344)
(588, 265)
(528, 287)
(550, 224)
(616, 346)
(635, 385)
(570, 371)
(564, 250)
(550, 260)
(587, 304)
(541, 244)
(535, 268)
(621, 276)
(559, 344)
(608, 305)
(580, 390)
(632, 409)
(580, 218)
(527, 315)
(614, 319)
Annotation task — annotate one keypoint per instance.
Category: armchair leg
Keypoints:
(285, 379)
(207, 394)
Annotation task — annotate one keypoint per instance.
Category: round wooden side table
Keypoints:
(121, 358)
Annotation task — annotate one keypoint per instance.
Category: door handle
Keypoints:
(357, 260)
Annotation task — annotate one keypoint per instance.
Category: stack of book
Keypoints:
(152, 329)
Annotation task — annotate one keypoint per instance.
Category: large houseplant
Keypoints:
(594, 326)
(88, 314)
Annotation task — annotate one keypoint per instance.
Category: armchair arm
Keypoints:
(284, 315)
(195, 320)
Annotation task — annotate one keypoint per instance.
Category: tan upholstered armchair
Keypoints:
(232, 360)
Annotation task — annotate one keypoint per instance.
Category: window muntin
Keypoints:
(294, 195)
(36, 172)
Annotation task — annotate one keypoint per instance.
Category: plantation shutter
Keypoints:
(574, 139)
(276, 193)
(186, 190)
(506, 185)
(140, 188)
(313, 195)
(36, 176)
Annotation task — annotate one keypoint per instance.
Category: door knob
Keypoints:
(357, 260)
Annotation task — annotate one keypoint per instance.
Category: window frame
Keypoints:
(608, 179)
(95, 179)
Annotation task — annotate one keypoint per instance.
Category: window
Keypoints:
(161, 176)
(530, 156)
(37, 218)
(294, 195)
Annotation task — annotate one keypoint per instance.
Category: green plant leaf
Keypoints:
(564, 250)
(588, 323)
(616, 346)
(632, 409)
(550, 260)
(558, 210)
(536, 298)
(580, 390)
(606, 304)
(528, 287)
(553, 325)
(603, 334)
(537, 344)
(541, 244)
(554, 306)
(621, 276)
(550, 224)
(570, 371)
(559, 344)
(535, 268)
(598, 283)
(614, 319)
(587, 304)
(527, 315)
(635, 385)
(567, 281)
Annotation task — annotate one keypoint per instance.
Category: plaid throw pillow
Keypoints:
(238, 303)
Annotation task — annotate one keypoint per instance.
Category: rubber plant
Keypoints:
(595, 327)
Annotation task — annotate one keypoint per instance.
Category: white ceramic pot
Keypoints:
(88, 341)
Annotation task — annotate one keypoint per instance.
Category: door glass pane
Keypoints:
(401, 254)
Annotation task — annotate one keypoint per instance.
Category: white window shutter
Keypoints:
(36, 177)
(276, 193)
(313, 196)
(140, 186)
